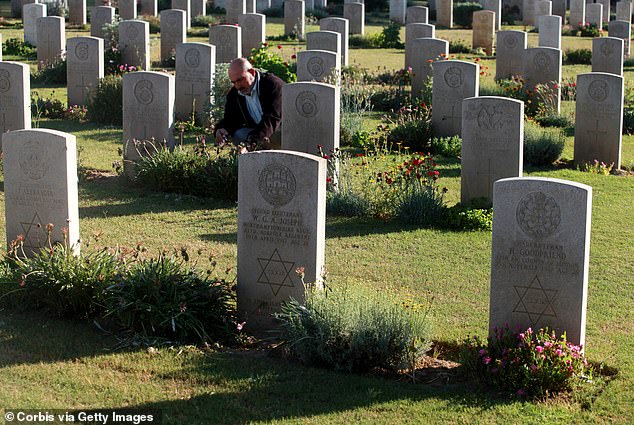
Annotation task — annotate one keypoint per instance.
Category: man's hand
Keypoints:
(221, 137)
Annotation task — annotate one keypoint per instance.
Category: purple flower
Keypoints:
(482, 352)
(521, 393)
(534, 368)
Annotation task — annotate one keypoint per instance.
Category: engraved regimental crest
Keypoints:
(315, 66)
(598, 90)
(490, 118)
(34, 161)
(173, 18)
(5, 81)
(81, 51)
(192, 58)
(510, 41)
(453, 77)
(541, 60)
(143, 92)
(277, 185)
(538, 215)
(606, 48)
(306, 104)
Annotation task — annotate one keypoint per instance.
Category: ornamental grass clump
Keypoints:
(527, 363)
(355, 330)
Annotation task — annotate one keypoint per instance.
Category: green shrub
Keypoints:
(527, 364)
(542, 146)
(105, 107)
(628, 120)
(579, 56)
(411, 127)
(271, 61)
(205, 21)
(354, 330)
(60, 282)
(391, 36)
(463, 13)
(389, 97)
(560, 121)
(153, 21)
(222, 85)
(459, 46)
(421, 207)
(52, 73)
(450, 147)
(460, 217)
(166, 298)
(191, 171)
(17, 47)
(347, 204)
(46, 107)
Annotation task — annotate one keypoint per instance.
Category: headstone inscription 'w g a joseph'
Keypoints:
(281, 227)
(540, 251)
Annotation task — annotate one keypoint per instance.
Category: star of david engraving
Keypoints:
(535, 301)
(34, 232)
(275, 272)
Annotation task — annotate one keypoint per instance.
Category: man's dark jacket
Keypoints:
(237, 115)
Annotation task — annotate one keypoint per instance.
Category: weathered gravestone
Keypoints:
(173, 32)
(528, 12)
(398, 9)
(453, 82)
(148, 115)
(594, 14)
(51, 39)
(605, 9)
(262, 5)
(577, 12)
(549, 31)
(355, 14)
(148, 7)
(543, 8)
(310, 117)
(607, 55)
(559, 9)
(341, 26)
(77, 12)
(253, 31)
(542, 65)
(187, 7)
(234, 9)
(509, 54)
(599, 118)
(429, 50)
(444, 13)
(324, 40)
(31, 12)
(134, 42)
(199, 8)
(317, 65)
(540, 251)
(294, 12)
(417, 15)
(85, 66)
(40, 186)
(15, 97)
(281, 228)
(492, 144)
(228, 42)
(100, 16)
(624, 11)
(496, 7)
(127, 9)
(195, 67)
(483, 30)
(412, 32)
(622, 30)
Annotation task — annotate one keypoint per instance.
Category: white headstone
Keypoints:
(494, 6)
(199, 8)
(622, 30)
(187, 7)
(77, 12)
(605, 10)
(234, 9)
(85, 66)
(398, 9)
(173, 32)
(31, 12)
(542, 65)
(127, 9)
(444, 13)
(430, 50)
(100, 16)
(51, 39)
(294, 13)
(341, 26)
(417, 15)
(577, 12)
(195, 68)
(509, 55)
(594, 14)
(412, 32)
(228, 42)
(607, 55)
(624, 11)
(543, 8)
(15, 97)
(528, 12)
(540, 252)
(549, 31)
(355, 14)
(253, 31)
(134, 42)
(453, 81)
(559, 9)
(483, 30)
(317, 65)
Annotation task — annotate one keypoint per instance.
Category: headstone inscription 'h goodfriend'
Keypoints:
(281, 228)
(15, 97)
(40, 184)
(540, 252)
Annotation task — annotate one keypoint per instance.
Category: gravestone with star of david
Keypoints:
(492, 145)
(509, 53)
(542, 65)
(15, 97)
(173, 32)
(599, 118)
(195, 68)
(540, 252)
(253, 31)
(453, 81)
(51, 39)
(228, 42)
(317, 65)
(607, 55)
(281, 227)
(31, 12)
(310, 117)
(40, 185)
(84, 56)
(134, 42)
(148, 115)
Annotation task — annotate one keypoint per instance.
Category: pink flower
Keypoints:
(240, 326)
(559, 352)
(539, 349)
(547, 344)
(482, 352)
(487, 360)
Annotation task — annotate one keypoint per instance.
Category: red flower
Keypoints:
(293, 56)
(279, 46)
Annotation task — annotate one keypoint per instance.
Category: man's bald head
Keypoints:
(242, 75)
(240, 64)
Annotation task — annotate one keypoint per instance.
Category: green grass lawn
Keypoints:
(51, 363)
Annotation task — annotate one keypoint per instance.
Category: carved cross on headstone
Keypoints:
(83, 86)
(453, 117)
(192, 97)
(596, 134)
(489, 175)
